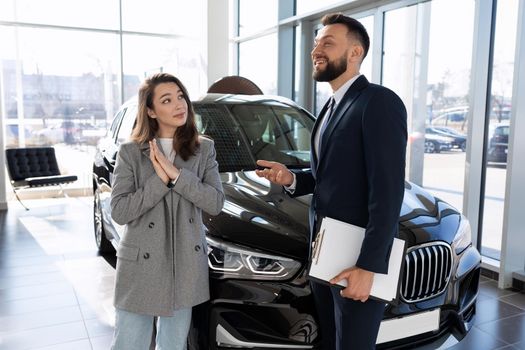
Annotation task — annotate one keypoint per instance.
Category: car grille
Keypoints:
(427, 271)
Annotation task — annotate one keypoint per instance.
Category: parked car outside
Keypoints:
(498, 143)
(459, 141)
(258, 245)
(435, 143)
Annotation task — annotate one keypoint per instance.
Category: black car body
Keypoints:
(459, 141)
(258, 245)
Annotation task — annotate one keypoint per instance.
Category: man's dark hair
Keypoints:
(355, 28)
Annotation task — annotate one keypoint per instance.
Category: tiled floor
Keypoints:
(56, 292)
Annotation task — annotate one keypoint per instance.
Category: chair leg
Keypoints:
(19, 200)
(62, 191)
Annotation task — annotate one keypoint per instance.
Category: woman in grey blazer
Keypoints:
(163, 179)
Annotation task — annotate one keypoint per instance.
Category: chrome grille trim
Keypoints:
(422, 269)
(435, 270)
(427, 271)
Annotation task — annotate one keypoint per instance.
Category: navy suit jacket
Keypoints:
(359, 176)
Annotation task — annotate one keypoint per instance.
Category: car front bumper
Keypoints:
(272, 315)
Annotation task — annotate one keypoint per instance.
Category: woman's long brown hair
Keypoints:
(186, 138)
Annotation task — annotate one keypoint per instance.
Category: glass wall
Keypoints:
(257, 15)
(305, 6)
(102, 14)
(398, 52)
(499, 127)
(258, 62)
(440, 128)
(60, 89)
(448, 84)
(165, 17)
(180, 56)
(64, 73)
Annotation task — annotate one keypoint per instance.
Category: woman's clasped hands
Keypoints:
(163, 167)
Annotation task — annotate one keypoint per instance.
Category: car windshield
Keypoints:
(244, 133)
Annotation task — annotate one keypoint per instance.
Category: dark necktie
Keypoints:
(325, 123)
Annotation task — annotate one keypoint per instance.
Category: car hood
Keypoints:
(261, 216)
(425, 218)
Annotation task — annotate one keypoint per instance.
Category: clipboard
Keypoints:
(337, 247)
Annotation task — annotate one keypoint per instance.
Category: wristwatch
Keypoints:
(171, 183)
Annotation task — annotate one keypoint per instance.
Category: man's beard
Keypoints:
(333, 69)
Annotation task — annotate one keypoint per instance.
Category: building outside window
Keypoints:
(64, 73)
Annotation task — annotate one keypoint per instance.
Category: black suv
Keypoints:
(498, 142)
(258, 244)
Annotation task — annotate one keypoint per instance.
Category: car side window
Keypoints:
(296, 132)
(116, 122)
(128, 122)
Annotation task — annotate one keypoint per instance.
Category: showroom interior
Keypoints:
(66, 68)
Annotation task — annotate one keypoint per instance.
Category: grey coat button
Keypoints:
(151, 224)
(191, 220)
(197, 248)
(146, 255)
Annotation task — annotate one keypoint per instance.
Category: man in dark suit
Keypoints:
(357, 176)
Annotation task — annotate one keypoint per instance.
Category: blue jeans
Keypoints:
(133, 331)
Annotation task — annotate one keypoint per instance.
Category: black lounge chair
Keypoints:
(34, 167)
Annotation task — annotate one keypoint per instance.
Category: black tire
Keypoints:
(431, 147)
(463, 146)
(104, 246)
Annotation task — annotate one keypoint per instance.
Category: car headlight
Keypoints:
(227, 260)
(463, 238)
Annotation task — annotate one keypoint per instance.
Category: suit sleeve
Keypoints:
(384, 129)
(207, 193)
(305, 183)
(128, 202)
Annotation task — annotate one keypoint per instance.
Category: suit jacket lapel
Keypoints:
(349, 98)
(313, 154)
